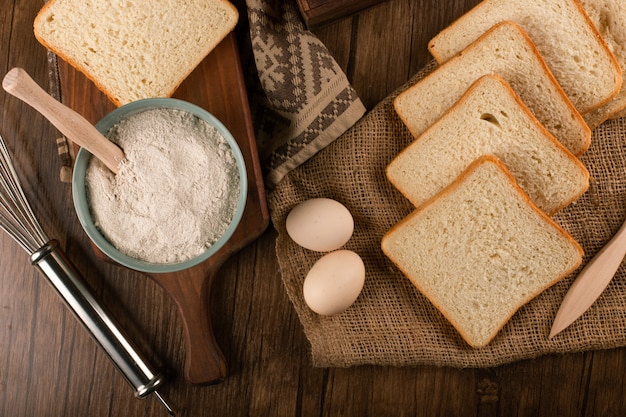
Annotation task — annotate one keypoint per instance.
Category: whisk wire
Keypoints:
(16, 216)
(16, 233)
(19, 221)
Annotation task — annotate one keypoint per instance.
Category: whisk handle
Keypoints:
(69, 283)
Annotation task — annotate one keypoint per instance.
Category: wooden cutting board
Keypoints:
(217, 85)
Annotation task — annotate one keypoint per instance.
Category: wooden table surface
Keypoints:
(50, 367)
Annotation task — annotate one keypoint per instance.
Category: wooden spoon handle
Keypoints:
(18, 83)
(591, 281)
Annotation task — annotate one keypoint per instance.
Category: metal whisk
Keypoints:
(19, 221)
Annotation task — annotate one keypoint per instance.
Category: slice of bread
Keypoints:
(480, 249)
(490, 119)
(134, 49)
(566, 38)
(505, 50)
(609, 17)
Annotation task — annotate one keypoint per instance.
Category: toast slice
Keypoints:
(480, 250)
(490, 119)
(505, 50)
(564, 35)
(609, 17)
(136, 49)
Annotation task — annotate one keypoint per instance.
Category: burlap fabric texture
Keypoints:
(391, 323)
(305, 100)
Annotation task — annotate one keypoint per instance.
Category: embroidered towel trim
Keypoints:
(308, 101)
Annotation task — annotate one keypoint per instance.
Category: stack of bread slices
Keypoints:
(499, 125)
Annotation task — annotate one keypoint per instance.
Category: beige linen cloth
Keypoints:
(391, 322)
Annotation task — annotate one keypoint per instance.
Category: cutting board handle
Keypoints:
(204, 360)
(190, 290)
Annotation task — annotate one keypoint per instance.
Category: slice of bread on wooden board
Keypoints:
(134, 49)
(505, 50)
(564, 35)
(480, 250)
(490, 119)
(609, 17)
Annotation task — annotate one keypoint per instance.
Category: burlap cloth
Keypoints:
(392, 323)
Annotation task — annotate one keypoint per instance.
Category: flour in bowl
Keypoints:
(176, 193)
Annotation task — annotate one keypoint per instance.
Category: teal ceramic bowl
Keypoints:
(81, 203)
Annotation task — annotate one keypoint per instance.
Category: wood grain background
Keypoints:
(50, 367)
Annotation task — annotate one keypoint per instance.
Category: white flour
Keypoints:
(176, 193)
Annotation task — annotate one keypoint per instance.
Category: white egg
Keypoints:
(320, 224)
(334, 282)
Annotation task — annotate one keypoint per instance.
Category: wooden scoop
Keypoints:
(19, 84)
(591, 282)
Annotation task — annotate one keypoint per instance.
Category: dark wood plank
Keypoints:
(604, 391)
(320, 12)
(381, 48)
(50, 367)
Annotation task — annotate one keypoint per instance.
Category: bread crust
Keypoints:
(468, 16)
(530, 116)
(476, 44)
(615, 108)
(602, 42)
(449, 189)
(66, 58)
(37, 25)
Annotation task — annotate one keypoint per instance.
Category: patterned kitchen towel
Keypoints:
(307, 101)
